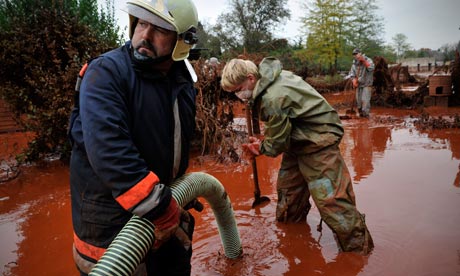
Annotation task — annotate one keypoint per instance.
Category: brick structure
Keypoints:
(440, 85)
(7, 123)
(440, 88)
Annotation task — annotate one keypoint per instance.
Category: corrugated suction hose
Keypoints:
(130, 246)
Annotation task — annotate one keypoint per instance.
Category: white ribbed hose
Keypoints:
(130, 246)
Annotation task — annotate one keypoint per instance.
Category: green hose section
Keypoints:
(127, 250)
(193, 185)
(130, 246)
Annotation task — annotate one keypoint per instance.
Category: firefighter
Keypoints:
(306, 130)
(130, 133)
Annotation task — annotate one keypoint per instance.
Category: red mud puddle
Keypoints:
(406, 182)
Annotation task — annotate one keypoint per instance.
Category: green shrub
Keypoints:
(43, 45)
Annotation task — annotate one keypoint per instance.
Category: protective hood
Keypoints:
(269, 69)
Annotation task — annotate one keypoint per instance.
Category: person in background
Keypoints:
(130, 133)
(362, 75)
(306, 130)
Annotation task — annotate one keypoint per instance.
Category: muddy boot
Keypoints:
(368, 241)
(281, 208)
(359, 241)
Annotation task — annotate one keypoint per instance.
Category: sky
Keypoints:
(426, 23)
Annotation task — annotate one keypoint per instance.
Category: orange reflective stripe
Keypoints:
(87, 249)
(136, 194)
(83, 70)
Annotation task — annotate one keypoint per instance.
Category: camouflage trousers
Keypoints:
(325, 177)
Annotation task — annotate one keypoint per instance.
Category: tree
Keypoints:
(209, 45)
(43, 44)
(250, 24)
(389, 53)
(335, 27)
(424, 52)
(325, 22)
(401, 45)
(448, 52)
(365, 30)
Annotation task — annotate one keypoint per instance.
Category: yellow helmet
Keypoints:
(174, 15)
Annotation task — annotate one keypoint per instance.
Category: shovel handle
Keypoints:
(256, 179)
(249, 118)
(253, 161)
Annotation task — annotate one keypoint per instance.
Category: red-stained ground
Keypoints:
(406, 181)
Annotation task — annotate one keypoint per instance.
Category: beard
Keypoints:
(143, 60)
(140, 56)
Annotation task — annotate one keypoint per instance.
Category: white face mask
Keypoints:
(244, 94)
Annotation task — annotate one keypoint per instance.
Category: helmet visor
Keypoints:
(143, 14)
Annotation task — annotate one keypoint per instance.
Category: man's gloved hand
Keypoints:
(355, 82)
(363, 61)
(251, 149)
(195, 204)
(185, 230)
(175, 222)
(167, 224)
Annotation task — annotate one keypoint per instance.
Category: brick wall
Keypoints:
(7, 123)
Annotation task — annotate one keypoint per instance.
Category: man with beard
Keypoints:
(130, 133)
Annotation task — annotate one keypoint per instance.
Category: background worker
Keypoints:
(301, 125)
(130, 133)
(362, 75)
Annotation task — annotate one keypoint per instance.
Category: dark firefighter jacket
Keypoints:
(122, 135)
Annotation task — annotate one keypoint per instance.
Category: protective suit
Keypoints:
(300, 124)
(365, 77)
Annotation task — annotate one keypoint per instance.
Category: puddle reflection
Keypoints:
(406, 182)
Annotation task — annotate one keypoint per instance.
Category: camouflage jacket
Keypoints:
(296, 117)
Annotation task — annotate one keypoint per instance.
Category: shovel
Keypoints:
(353, 103)
(257, 198)
(352, 111)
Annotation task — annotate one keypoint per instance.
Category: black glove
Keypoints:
(195, 204)
(185, 230)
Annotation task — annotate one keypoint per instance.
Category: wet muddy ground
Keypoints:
(406, 180)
